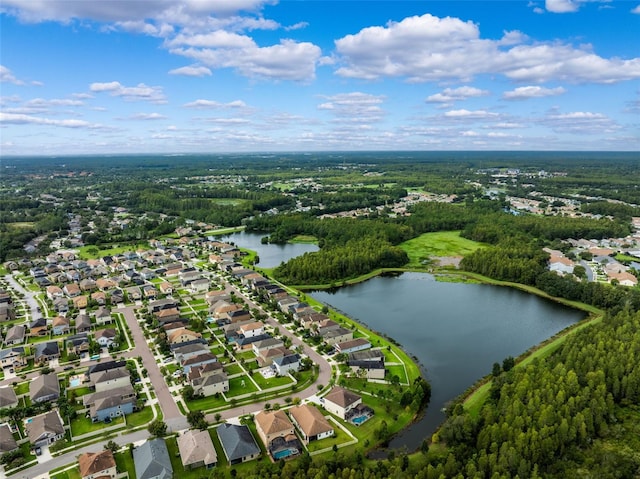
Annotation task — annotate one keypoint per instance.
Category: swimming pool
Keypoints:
(284, 453)
(74, 382)
(359, 419)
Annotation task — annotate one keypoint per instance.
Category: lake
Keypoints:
(456, 330)
(271, 255)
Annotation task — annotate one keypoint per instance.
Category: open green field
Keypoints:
(21, 225)
(442, 243)
(306, 239)
(225, 231)
(93, 252)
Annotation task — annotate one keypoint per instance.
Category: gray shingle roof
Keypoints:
(237, 441)
(152, 460)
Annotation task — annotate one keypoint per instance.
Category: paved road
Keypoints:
(29, 296)
(170, 412)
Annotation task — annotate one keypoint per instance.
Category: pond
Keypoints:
(271, 255)
(456, 330)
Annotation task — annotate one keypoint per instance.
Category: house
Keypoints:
(7, 441)
(117, 296)
(196, 449)
(286, 364)
(60, 325)
(15, 335)
(197, 360)
(103, 315)
(105, 284)
(259, 347)
(252, 329)
(267, 356)
(61, 305)
(182, 335)
(106, 337)
(277, 433)
(150, 292)
(44, 388)
(166, 287)
(208, 379)
(13, 357)
(78, 343)
(97, 465)
(100, 297)
(371, 362)
(182, 352)
(199, 285)
(54, 292)
(71, 290)
(8, 398)
(220, 308)
(167, 315)
(238, 443)
(110, 379)
(358, 344)
(83, 323)
(134, 293)
(338, 335)
(88, 284)
(45, 429)
(7, 312)
(212, 297)
(624, 279)
(561, 264)
(110, 403)
(238, 315)
(311, 423)
(243, 343)
(38, 327)
(104, 366)
(152, 461)
(341, 402)
(80, 302)
(44, 352)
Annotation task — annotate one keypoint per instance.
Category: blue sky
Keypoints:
(174, 76)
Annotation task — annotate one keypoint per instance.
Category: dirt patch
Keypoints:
(447, 260)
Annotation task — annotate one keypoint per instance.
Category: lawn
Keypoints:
(397, 371)
(305, 239)
(83, 425)
(140, 418)
(339, 437)
(272, 382)
(241, 385)
(92, 252)
(233, 368)
(124, 463)
(68, 474)
(442, 243)
(206, 403)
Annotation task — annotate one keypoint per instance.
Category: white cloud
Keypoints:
(636, 10)
(562, 6)
(124, 10)
(212, 104)
(470, 114)
(7, 77)
(191, 71)
(354, 107)
(21, 119)
(525, 92)
(287, 60)
(148, 116)
(297, 26)
(456, 94)
(42, 103)
(139, 92)
(428, 48)
(579, 122)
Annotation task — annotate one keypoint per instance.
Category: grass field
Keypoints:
(442, 243)
(89, 252)
(307, 239)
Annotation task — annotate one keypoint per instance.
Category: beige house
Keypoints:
(209, 379)
(340, 401)
(97, 465)
(182, 335)
(273, 424)
(196, 449)
(311, 423)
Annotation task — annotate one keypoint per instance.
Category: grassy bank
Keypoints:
(443, 243)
